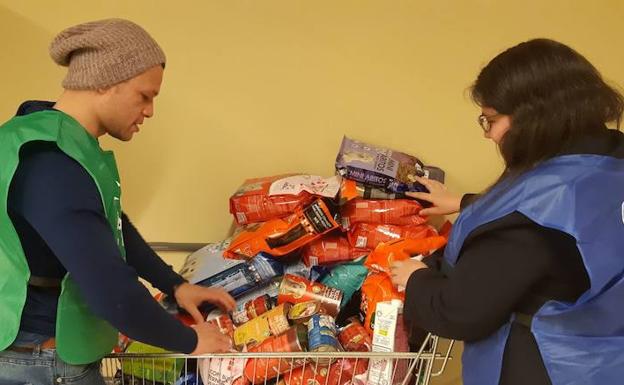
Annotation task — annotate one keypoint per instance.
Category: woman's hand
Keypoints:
(189, 297)
(401, 271)
(444, 202)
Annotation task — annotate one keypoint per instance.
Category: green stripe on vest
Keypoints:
(81, 337)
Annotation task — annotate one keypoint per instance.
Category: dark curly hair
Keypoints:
(554, 97)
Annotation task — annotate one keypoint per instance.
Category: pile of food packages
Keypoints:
(309, 267)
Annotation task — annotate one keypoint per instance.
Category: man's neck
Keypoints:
(77, 105)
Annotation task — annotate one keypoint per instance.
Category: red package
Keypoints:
(384, 254)
(369, 235)
(252, 203)
(390, 212)
(282, 236)
(377, 287)
(330, 249)
(339, 373)
(258, 370)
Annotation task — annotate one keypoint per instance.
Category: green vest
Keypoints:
(81, 337)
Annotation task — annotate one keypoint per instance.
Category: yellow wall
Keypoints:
(260, 87)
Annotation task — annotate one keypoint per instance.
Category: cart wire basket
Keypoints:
(309, 368)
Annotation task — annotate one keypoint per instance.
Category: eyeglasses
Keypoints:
(484, 122)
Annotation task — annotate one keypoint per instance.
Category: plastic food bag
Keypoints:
(165, 370)
(350, 189)
(222, 371)
(389, 212)
(329, 250)
(369, 235)
(382, 257)
(381, 167)
(347, 278)
(343, 372)
(312, 184)
(377, 287)
(279, 237)
(252, 203)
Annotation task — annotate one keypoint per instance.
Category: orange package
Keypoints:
(252, 203)
(376, 288)
(369, 235)
(330, 249)
(384, 254)
(390, 212)
(279, 237)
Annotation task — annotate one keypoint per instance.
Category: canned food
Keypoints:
(301, 312)
(252, 309)
(322, 336)
(354, 337)
(262, 369)
(271, 323)
(224, 323)
(295, 289)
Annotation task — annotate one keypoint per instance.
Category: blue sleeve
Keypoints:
(147, 263)
(58, 198)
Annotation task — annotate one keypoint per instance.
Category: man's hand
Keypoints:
(210, 339)
(444, 202)
(189, 297)
(400, 271)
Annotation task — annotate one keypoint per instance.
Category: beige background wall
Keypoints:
(254, 88)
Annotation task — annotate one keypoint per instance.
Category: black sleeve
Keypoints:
(147, 263)
(58, 198)
(496, 269)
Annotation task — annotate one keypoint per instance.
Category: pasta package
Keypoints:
(279, 237)
(381, 167)
(400, 212)
(369, 235)
(252, 203)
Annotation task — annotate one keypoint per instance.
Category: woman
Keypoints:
(532, 279)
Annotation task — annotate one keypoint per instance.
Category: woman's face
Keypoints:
(498, 124)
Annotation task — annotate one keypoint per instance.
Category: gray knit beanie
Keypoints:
(102, 53)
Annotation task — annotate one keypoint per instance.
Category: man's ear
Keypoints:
(102, 91)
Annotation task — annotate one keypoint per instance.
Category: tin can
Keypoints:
(322, 336)
(262, 369)
(295, 289)
(354, 337)
(252, 309)
(224, 323)
(271, 323)
(301, 312)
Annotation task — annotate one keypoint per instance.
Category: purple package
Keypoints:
(381, 167)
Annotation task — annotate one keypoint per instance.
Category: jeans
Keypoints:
(44, 367)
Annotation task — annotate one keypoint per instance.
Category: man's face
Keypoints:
(124, 106)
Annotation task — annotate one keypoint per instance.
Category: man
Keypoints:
(69, 258)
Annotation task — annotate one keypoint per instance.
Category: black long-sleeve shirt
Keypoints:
(57, 211)
(508, 265)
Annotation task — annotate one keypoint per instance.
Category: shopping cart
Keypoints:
(329, 368)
